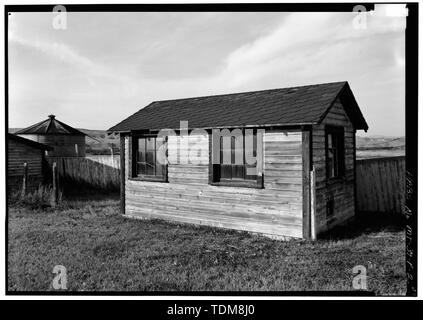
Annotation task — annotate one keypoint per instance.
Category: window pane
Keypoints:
(226, 171)
(150, 144)
(150, 155)
(254, 141)
(231, 150)
(330, 140)
(141, 150)
(249, 166)
(331, 170)
(335, 162)
(145, 158)
(141, 168)
(226, 150)
(255, 144)
(141, 157)
(159, 141)
(330, 163)
(160, 154)
(238, 172)
(335, 152)
(221, 152)
(250, 169)
(159, 170)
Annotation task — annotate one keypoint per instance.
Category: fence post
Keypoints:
(55, 195)
(122, 174)
(313, 203)
(24, 179)
(112, 155)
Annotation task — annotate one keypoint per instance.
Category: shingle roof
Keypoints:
(28, 142)
(50, 126)
(287, 106)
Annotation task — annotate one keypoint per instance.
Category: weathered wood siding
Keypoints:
(342, 190)
(18, 154)
(275, 210)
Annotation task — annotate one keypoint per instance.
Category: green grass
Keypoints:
(101, 250)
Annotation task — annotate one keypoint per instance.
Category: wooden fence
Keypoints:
(380, 181)
(108, 160)
(381, 184)
(102, 173)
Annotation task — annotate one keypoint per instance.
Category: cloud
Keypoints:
(106, 78)
(302, 43)
(58, 51)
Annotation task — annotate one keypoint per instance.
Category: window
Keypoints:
(335, 164)
(330, 208)
(236, 164)
(147, 162)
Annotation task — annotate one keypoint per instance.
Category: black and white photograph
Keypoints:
(211, 149)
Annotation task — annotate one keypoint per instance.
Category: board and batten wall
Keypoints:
(342, 190)
(381, 185)
(18, 154)
(275, 210)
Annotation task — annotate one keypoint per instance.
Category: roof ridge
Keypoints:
(30, 127)
(244, 92)
(68, 127)
(296, 105)
(48, 124)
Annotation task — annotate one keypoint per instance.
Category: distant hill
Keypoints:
(375, 142)
(380, 147)
(98, 142)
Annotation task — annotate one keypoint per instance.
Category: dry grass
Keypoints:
(103, 251)
(40, 198)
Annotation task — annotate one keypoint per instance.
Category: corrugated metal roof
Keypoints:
(287, 106)
(51, 126)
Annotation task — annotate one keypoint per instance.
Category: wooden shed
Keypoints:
(278, 162)
(66, 141)
(20, 151)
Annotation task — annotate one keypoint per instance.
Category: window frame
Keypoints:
(214, 169)
(134, 160)
(338, 156)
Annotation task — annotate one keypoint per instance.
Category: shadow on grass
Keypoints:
(85, 193)
(366, 223)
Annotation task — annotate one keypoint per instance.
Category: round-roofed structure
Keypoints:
(65, 140)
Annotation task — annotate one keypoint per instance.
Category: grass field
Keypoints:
(102, 250)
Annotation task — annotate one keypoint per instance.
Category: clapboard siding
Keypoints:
(275, 210)
(342, 190)
(18, 154)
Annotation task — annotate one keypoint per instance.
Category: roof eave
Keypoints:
(361, 124)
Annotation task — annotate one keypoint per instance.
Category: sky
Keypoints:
(103, 67)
